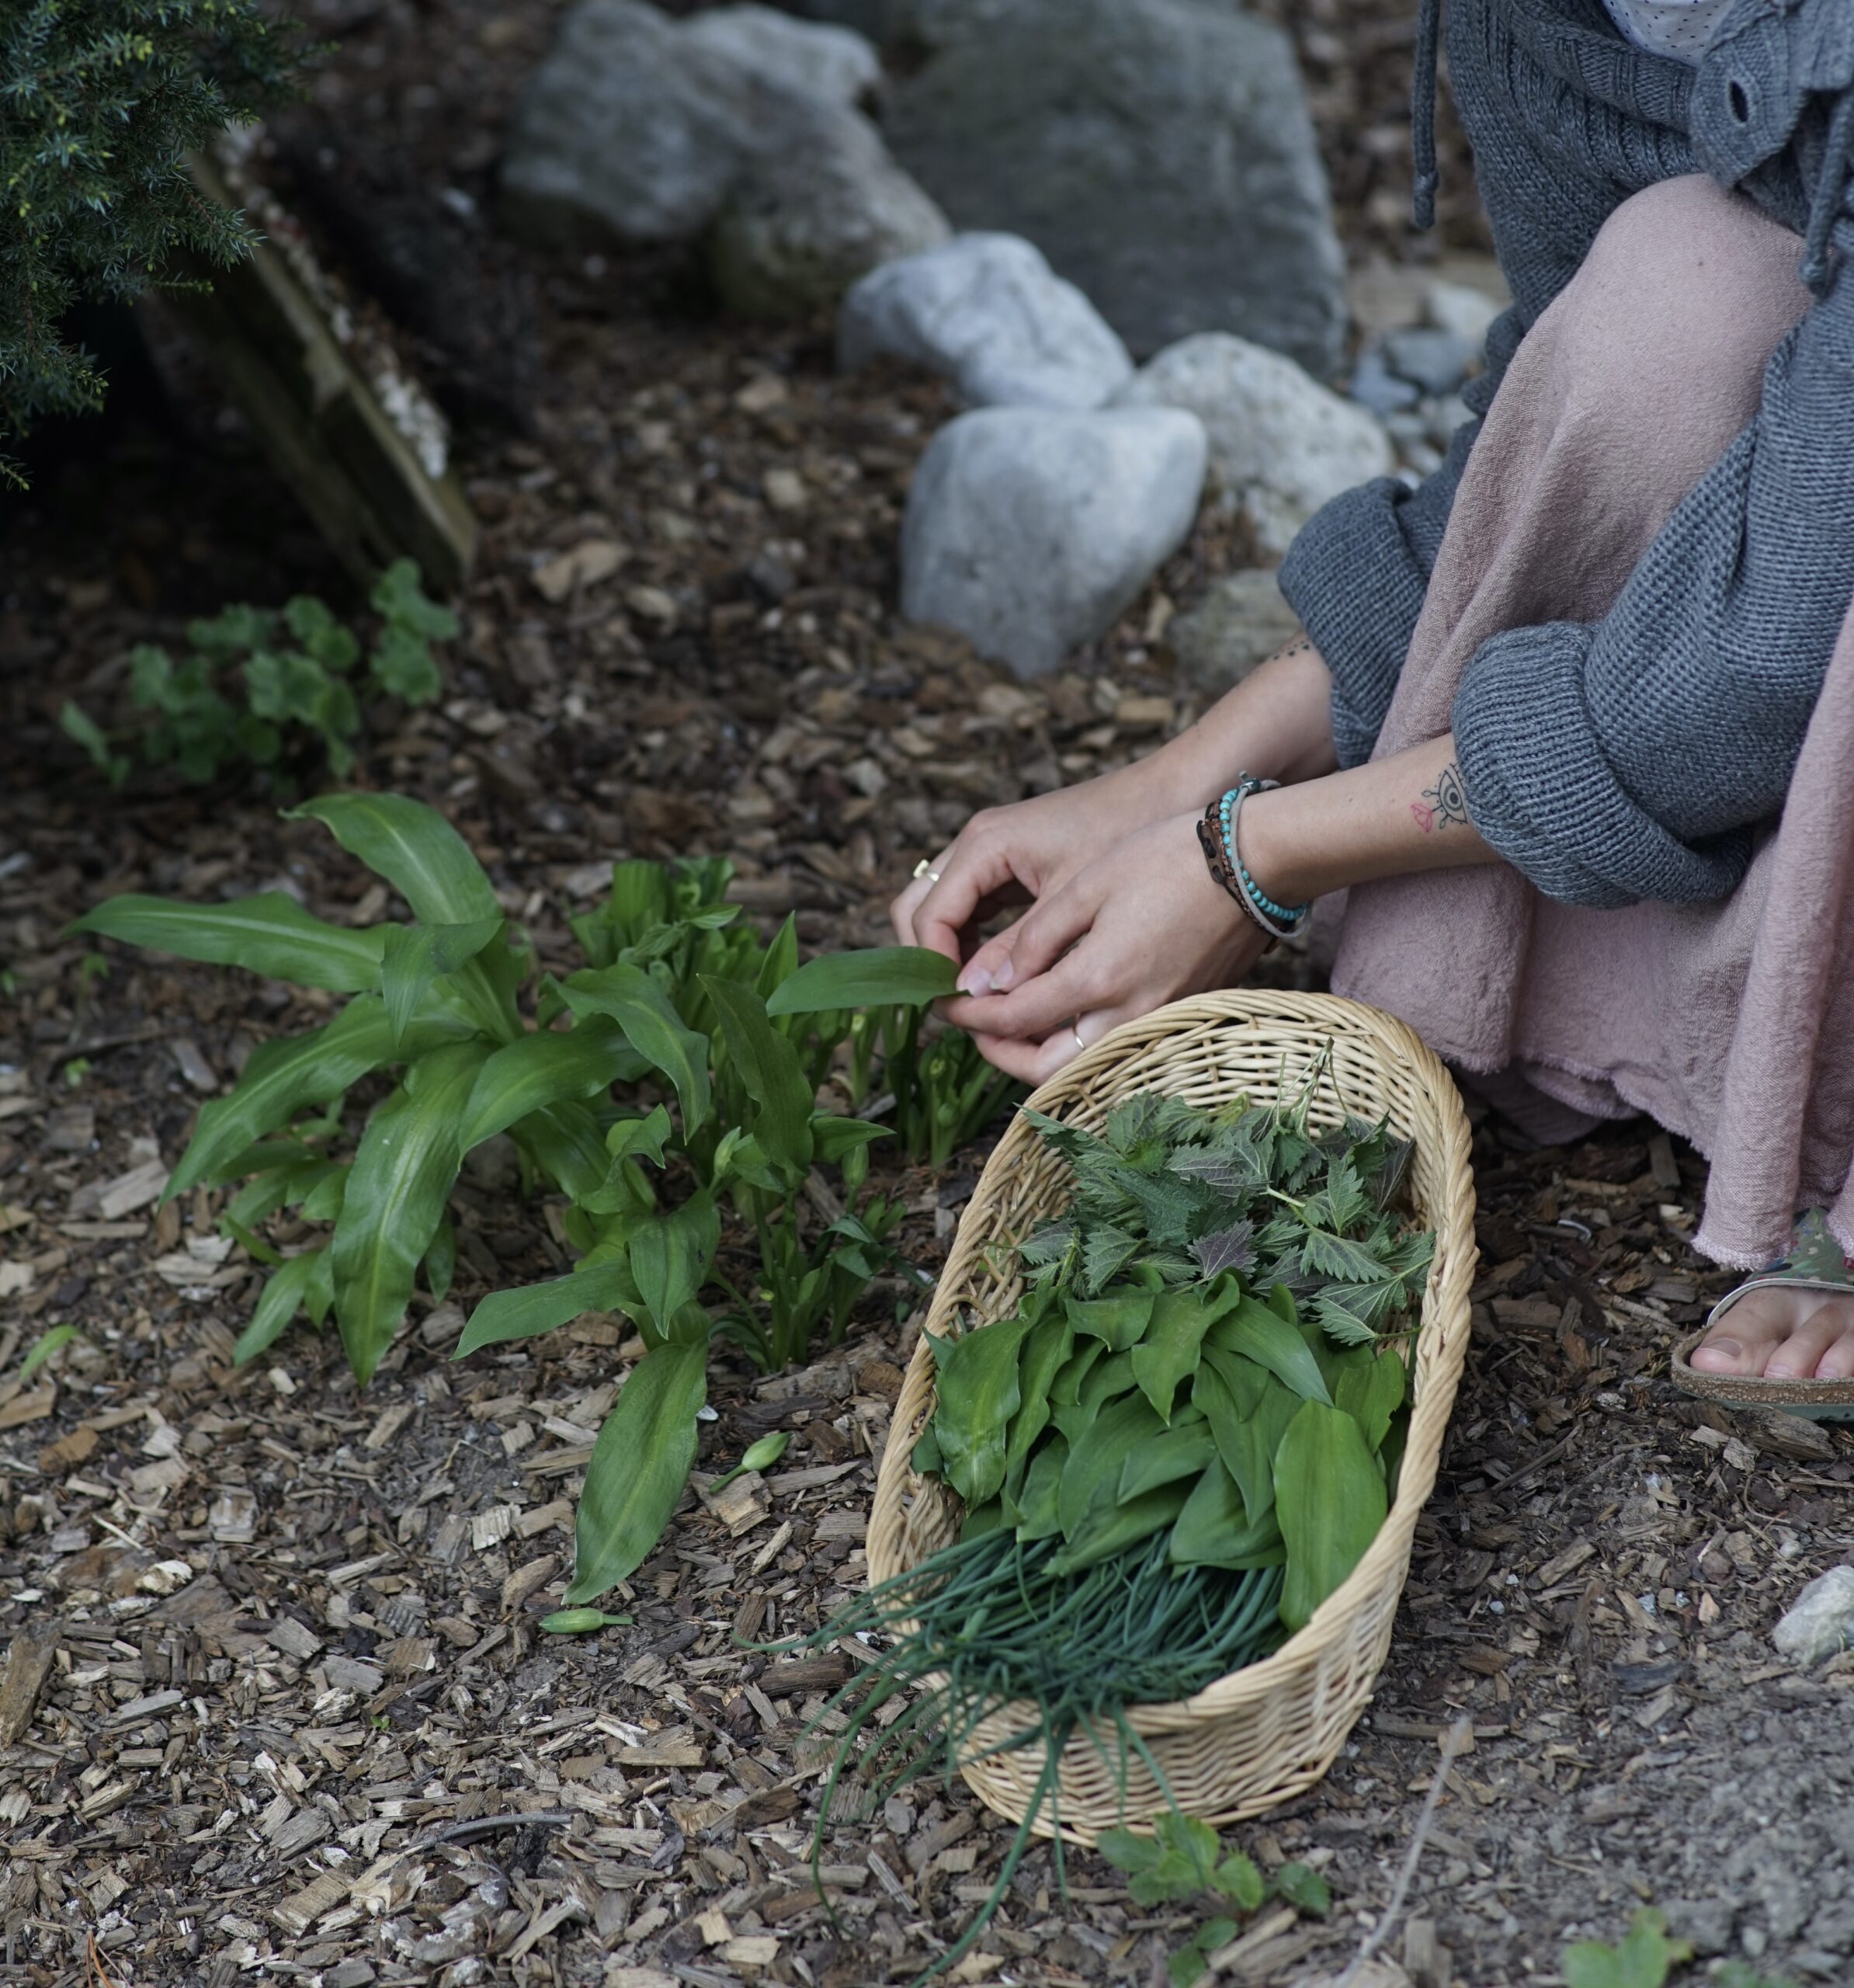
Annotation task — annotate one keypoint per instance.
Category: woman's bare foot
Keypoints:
(1785, 1334)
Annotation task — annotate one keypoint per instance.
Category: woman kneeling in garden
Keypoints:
(1572, 722)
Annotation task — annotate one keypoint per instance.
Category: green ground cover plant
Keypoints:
(264, 687)
(1184, 1858)
(668, 1089)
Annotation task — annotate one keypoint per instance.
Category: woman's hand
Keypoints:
(1143, 925)
(1019, 854)
(1278, 721)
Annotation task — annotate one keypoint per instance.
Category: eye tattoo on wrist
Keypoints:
(1442, 805)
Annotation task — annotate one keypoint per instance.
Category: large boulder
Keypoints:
(1281, 444)
(987, 312)
(1029, 531)
(1159, 152)
(637, 128)
(808, 221)
(628, 129)
(835, 63)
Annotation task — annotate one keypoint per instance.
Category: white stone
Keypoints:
(835, 64)
(1820, 1620)
(1281, 444)
(1029, 531)
(987, 312)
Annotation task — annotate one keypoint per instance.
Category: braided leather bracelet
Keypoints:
(1216, 836)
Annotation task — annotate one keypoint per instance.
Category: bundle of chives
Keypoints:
(993, 1620)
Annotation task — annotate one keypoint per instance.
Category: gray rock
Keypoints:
(1241, 621)
(1029, 531)
(1435, 361)
(809, 219)
(1281, 444)
(988, 313)
(1461, 308)
(626, 129)
(1376, 386)
(1159, 152)
(1820, 1620)
(638, 128)
(880, 20)
(815, 60)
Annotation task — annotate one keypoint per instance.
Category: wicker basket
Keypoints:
(1264, 1734)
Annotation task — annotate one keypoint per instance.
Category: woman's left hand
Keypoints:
(1145, 924)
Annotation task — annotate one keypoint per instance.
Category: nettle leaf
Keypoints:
(1342, 1203)
(1338, 1259)
(1231, 1249)
(1132, 1120)
(1105, 1253)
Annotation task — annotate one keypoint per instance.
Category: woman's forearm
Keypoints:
(1404, 813)
(1276, 724)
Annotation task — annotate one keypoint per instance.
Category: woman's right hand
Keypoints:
(1020, 853)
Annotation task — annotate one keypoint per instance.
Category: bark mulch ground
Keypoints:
(276, 1705)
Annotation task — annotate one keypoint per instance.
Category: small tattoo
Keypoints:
(1302, 646)
(1443, 805)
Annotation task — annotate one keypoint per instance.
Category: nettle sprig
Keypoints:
(1250, 1189)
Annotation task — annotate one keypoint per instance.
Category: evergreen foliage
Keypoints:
(100, 101)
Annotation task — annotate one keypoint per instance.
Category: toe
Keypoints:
(1798, 1357)
(1723, 1353)
(1837, 1364)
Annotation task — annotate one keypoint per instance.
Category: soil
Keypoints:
(277, 1705)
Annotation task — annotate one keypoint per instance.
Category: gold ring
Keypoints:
(925, 868)
(1074, 1029)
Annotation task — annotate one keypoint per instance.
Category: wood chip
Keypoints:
(523, 1582)
(34, 1407)
(590, 562)
(492, 1527)
(296, 1914)
(137, 1189)
(77, 1447)
(391, 1421)
(293, 1638)
(543, 1518)
(28, 1659)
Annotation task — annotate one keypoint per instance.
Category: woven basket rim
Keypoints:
(1440, 1346)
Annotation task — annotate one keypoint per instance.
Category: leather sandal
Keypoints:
(1819, 1401)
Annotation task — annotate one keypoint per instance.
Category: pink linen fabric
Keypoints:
(1732, 1024)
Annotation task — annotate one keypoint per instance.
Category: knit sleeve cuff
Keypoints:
(1357, 585)
(1544, 797)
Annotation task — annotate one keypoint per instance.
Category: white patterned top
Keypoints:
(1678, 28)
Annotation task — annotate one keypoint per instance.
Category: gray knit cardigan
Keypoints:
(1630, 758)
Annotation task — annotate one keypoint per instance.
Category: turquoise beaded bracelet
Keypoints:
(1281, 919)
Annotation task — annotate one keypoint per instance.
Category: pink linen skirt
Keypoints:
(1732, 1024)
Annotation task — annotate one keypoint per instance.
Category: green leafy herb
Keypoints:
(1645, 1958)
